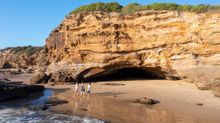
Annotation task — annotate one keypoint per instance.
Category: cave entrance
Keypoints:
(6, 66)
(130, 73)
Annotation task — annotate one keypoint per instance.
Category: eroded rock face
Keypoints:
(173, 44)
(39, 78)
(24, 59)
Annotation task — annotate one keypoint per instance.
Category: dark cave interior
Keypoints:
(130, 73)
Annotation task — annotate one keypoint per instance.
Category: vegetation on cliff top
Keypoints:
(29, 50)
(135, 7)
(107, 7)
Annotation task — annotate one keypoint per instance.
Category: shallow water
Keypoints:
(23, 115)
(16, 112)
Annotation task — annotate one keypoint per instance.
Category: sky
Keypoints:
(29, 22)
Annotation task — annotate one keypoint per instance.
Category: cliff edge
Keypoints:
(22, 59)
(168, 44)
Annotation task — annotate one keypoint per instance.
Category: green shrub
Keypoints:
(29, 50)
(185, 8)
(112, 7)
(91, 7)
(135, 7)
(131, 8)
(106, 7)
(214, 7)
(164, 6)
(200, 8)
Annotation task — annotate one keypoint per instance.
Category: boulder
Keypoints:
(39, 78)
(147, 101)
(11, 91)
(199, 104)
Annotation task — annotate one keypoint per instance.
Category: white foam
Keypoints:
(22, 115)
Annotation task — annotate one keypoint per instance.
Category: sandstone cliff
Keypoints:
(25, 58)
(168, 44)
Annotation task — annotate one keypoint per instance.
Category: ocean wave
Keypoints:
(23, 115)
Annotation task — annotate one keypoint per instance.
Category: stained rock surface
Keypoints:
(168, 44)
(25, 59)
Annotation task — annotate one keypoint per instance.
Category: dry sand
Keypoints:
(178, 102)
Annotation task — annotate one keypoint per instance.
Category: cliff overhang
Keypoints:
(169, 44)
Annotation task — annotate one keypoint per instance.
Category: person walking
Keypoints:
(83, 89)
(76, 88)
(89, 88)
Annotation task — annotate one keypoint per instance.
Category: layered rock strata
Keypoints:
(169, 44)
(22, 59)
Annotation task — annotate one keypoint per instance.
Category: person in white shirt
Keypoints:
(89, 88)
(76, 88)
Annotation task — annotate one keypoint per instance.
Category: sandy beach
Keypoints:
(140, 61)
(180, 102)
(114, 101)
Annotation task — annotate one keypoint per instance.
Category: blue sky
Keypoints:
(29, 22)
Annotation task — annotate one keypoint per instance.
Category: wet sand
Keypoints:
(17, 77)
(180, 102)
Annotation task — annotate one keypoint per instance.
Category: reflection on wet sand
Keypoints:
(121, 111)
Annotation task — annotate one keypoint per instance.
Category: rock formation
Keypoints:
(26, 58)
(169, 44)
(11, 91)
(41, 77)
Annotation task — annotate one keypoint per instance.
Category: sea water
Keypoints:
(23, 115)
(18, 113)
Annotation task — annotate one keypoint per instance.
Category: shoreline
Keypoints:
(113, 101)
(179, 101)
